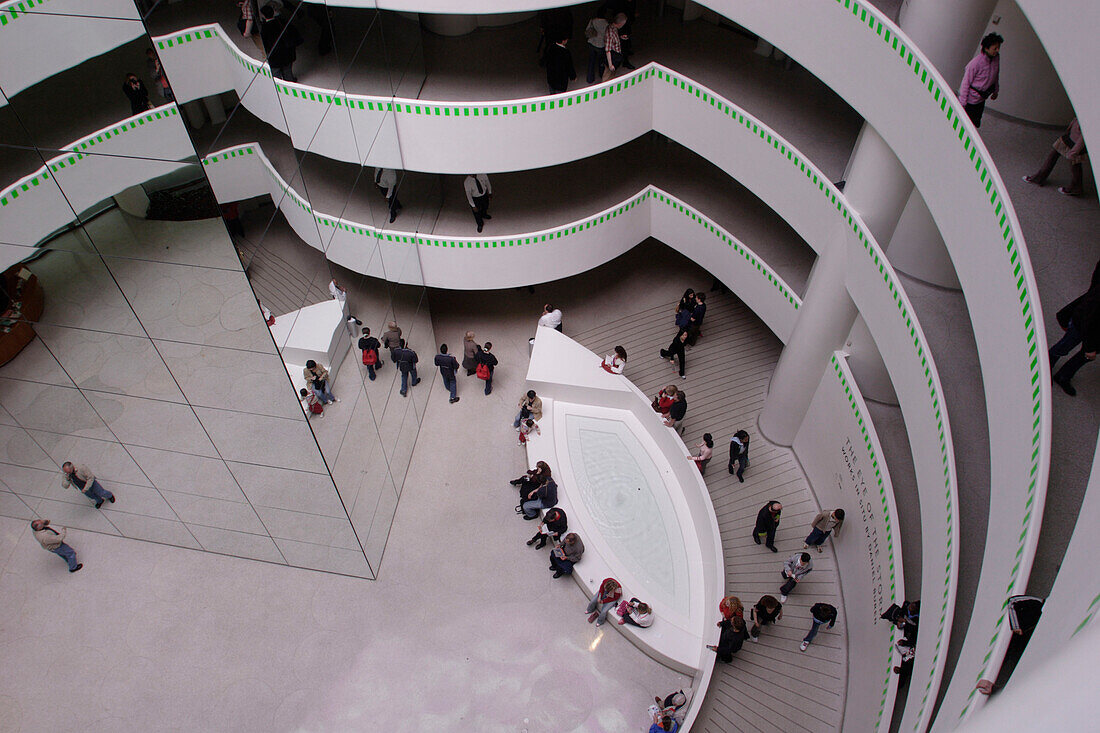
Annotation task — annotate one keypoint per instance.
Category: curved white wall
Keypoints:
(39, 38)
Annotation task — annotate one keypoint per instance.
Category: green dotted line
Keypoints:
(10, 11)
(872, 21)
(869, 445)
(1090, 612)
(10, 194)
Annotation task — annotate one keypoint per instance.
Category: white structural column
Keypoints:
(917, 249)
(824, 321)
(1030, 87)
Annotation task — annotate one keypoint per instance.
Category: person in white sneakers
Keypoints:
(820, 613)
(797, 567)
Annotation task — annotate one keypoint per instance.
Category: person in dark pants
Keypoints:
(448, 365)
(552, 527)
(391, 339)
(478, 192)
(981, 78)
(1081, 321)
(544, 497)
(695, 325)
(767, 521)
(820, 613)
(676, 413)
(766, 611)
(797, 567)
(489, 361)
(280, 41)
(739, 453)
(83, 480)
(1024, 613)
(559, 67)
(564, 556)
(675, 350)
(406, 360)
(731, 639)
(386, 180)
(369, 345)
(135, 91)
(53, 540)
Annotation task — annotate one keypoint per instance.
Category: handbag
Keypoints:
(524, 413)
(316, 408)
(483, 372)
(656, 405)
(319, 384)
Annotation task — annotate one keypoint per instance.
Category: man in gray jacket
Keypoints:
(82, 478)
(53, 539)
(797, 567)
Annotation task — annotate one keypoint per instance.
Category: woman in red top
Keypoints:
(605, 599)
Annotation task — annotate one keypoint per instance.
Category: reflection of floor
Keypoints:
(770, 685)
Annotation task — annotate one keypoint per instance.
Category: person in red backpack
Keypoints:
(486, 363)
(370, 346)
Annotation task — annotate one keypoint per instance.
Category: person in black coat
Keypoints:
(731, 639)
(767, 521)
(675, 350)
(135, 91)
(280, 40)
(1081, 321)
(559, 66)
(369, 345)
(490, 362)
(448, 365)
(552, 527)
(406, 360)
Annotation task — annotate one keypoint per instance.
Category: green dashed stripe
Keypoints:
(12, 11)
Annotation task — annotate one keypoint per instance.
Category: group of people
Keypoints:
(538, 491)
(476, 187)
(690, 312)
(52, 536)
(138, 94)
(907, 618)
(609, 36)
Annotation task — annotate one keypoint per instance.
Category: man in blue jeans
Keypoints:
(447, 366)
(406, 360)
(820, 613)
(53, 539)
(85, 481)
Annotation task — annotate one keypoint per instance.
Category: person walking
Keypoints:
(695, 323)
(316, 377)
(981, 79)
(613, 46)
(677, 412)
(386, 180)
(559, 66)
(135, 91)
(739, 453)
(1081, 321)
(1071, 146)
(530, 406)
(448, 365)
(83, 480)
(249, 24)
(478, 192)
(797, 567)
(820, 613)
(551, 317)
(605, 598)
(730, 640)
(824, 524)
(675, 350)
(486, 363)
(338, 293)
(594, 33)
(706, 452)
(544, 497)
(406, 360)
(280, 40)
(766, 611)
(767, 521)
(53, 540)
(391, 339)
(369, 345)
(565, 555)
(470, 349)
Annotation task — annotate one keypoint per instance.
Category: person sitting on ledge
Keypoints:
(604, 599)
(565, 555)
(533, 478)
(530, 406)
(635, 613)
(553, 526)
(544, 497)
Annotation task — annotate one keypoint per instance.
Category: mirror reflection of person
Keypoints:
(135, 91)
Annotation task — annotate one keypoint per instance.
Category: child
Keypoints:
(527, 427)
(635, 613)
(313, 404)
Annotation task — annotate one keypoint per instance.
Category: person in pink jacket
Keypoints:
(981, 79)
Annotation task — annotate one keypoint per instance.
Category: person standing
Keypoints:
(695, 324)
(338, 292)
(797, 567)
(767, 521)
(594, 32)
(249, 24)
(391, 339)
(53, 540)
(82, 478)
(135, 91)
(613, 46)
(766, 611)
(470, 349)
(530, 406)
(706, 452)
(677, 412)
(739, 453)
(406, 360)
(604, 600)
(1081, 321)
(675, 350)
(559, 66)
(280, 40)
(486, 364)
(1071, 146)
(551, 317)
(824, 524)
(370, 346)
(478, 192)
(981, 78)
(730, 640)
(448, 365)
(567, 554)
(386, 180)
(157, 75)
(316, 377)
(820, 613)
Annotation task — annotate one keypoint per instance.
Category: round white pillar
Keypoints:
(824, 321)
(917, 249)
(449, 25)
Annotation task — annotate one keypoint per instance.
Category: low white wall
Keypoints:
(839, 450)
(40, 38)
